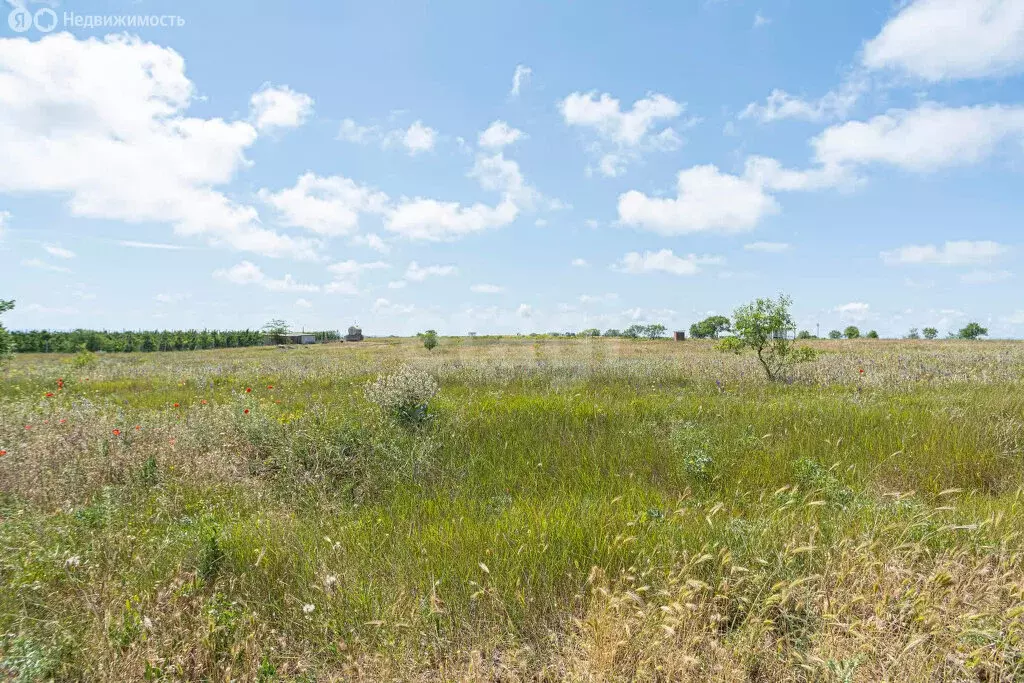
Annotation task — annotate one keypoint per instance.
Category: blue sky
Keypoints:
(512, 167)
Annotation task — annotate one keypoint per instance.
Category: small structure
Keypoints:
(299, 338)
(354, 334)
(679, 336)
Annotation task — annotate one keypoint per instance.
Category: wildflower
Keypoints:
(3, 453)
(246, 411)
(270, 386)
(248, 390)
(177, 405)
(330, 581)
(28, 426)
(49, 394)
(117, 432)
(138, 427)
(203, 402)
(62, 420)
(148, 623)
(72, 561)
(172, 440)
(60, 383)
(308, 608)
(862, 371)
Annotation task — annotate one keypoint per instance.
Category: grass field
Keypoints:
(585, 509)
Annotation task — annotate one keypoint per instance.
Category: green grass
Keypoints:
(574, 509)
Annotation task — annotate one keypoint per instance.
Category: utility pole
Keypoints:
(817, 330)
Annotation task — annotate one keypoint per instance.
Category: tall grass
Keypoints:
(586, 509)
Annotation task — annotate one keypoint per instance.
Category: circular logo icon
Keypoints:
(46, 20)
(20, 19)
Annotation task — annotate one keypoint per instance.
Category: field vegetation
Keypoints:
(587, 509)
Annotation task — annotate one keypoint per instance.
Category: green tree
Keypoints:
(872, 335)
(930, 333)
(804, 334)
(612, 333)
(6, 340)
(913, 334)
(276, 330)
(634, 331)
(851, 332)
(654, 331)
(710, 328)
(429, 339)
(835, 334)
(972, 331)
(764, 325)
(591, 332)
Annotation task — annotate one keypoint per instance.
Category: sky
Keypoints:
(511, 167)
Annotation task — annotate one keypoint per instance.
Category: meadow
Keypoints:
(579, 509)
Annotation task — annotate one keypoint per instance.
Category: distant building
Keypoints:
(354, 334)
(299, 339)
(679, 336)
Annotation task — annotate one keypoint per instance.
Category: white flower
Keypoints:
(148, 623)
(73, 561)
(329, 581)
(308, 609)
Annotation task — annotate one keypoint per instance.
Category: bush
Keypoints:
(404, 395)
(835, 334)
(729, 345)
(804, 334)
(930, 333)
(762, 325)
(913, 334)
(872, 335)
(429, 339)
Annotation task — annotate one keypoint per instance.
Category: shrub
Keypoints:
(729, 345)
(592, 332)
(913, 334)
(835, 334)
(612, 333)
(852, 332)
(930, 333)
(804, 334)
(872, 335)
(429, 339)
(6, 342)
(404, 395)
(762, 325)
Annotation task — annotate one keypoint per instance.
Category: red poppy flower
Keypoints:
(203, 401)
(138, 427)
(62, 420)
(862, 371)
(246, 411)
(3, 453)
(177, 405)
(117, 432)
(171, 440)
(270, 386)
(248, 390)
(49, 394)
(28, 426)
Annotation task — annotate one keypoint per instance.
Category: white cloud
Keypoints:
(940, 40)
(112, 135)
(5, 219)
(580, 263)
(303, 303)
(524, 310)
(417, 273)
(928, 138)
(520, 77)
(149, 245)
(170, 298)
(42, 265)
(628, 133)
(767, 247)
(487, 289)
(761, 20)
(247, 273)
(58, 251)
(346, 275)
(328, 206)
(373, 241)
(350, 131)
(385, 307)
(498, 135)
(664, 261)
(397, 284)
(280, 107)
(416, 138)
(781, 105)
(958, 253)
(707, 200)
(598, 298)
(855, 311)
(985, 277)
(1015, 318)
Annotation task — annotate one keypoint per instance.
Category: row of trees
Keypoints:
(652, 331)
(44, 341)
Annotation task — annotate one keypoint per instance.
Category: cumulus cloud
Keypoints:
(664, 261)
(498, 135)
(524, 311)
(855, 311)
(58, 251)
(303, 303)
(939, 40)
(417, 273)
(123, 101)
(623, 134)
(780, 104)
(248, 273)
(279, 107)
(346, 275)
(580, 263)
(956, 253)
(328, 206)
(417, 138)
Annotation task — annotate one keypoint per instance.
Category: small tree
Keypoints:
(763, 325)
(851, 332)
(913, 334)
(592, 332)
(634, 331)
(972, 331)
(710, 328)
(804, 334)
(835, 334)
(276, 330)
(612, 333)
(654, 331)
(429, 339)
(6, 341)
(872, 335)
(930, 333)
